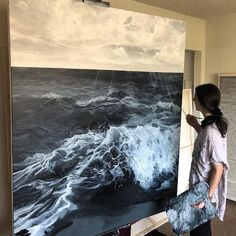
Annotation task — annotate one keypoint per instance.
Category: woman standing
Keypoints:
(209, 161)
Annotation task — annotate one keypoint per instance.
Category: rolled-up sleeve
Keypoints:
(218, 149)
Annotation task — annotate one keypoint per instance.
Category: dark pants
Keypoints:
(202, 230)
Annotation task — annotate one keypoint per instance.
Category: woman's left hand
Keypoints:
(199, 205)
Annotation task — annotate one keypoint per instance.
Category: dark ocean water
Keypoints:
(87, 143)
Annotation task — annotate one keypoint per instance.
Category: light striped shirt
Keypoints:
(210, 147)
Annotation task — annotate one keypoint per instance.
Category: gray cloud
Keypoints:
(49, 33)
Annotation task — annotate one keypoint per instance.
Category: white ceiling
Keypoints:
(204, 9)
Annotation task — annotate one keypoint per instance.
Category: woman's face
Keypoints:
(197, 103)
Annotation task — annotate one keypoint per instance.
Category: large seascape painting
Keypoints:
(96, 98)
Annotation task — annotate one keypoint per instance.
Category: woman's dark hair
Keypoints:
(209, 97)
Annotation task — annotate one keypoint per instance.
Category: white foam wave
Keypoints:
(169, 105)
(24, 217)
(51, 96)
(149, 152)
(96, 100)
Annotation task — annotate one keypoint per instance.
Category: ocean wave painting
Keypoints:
(93, 149)
(96, 98)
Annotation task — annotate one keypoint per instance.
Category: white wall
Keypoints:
(220, 47)
(188, 69)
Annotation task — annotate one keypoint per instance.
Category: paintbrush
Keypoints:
(194, 116)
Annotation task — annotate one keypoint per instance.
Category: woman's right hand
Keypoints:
(192, 120)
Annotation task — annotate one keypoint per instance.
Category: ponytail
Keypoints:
(221, 122)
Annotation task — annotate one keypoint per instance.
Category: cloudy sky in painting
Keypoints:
(71, 34)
